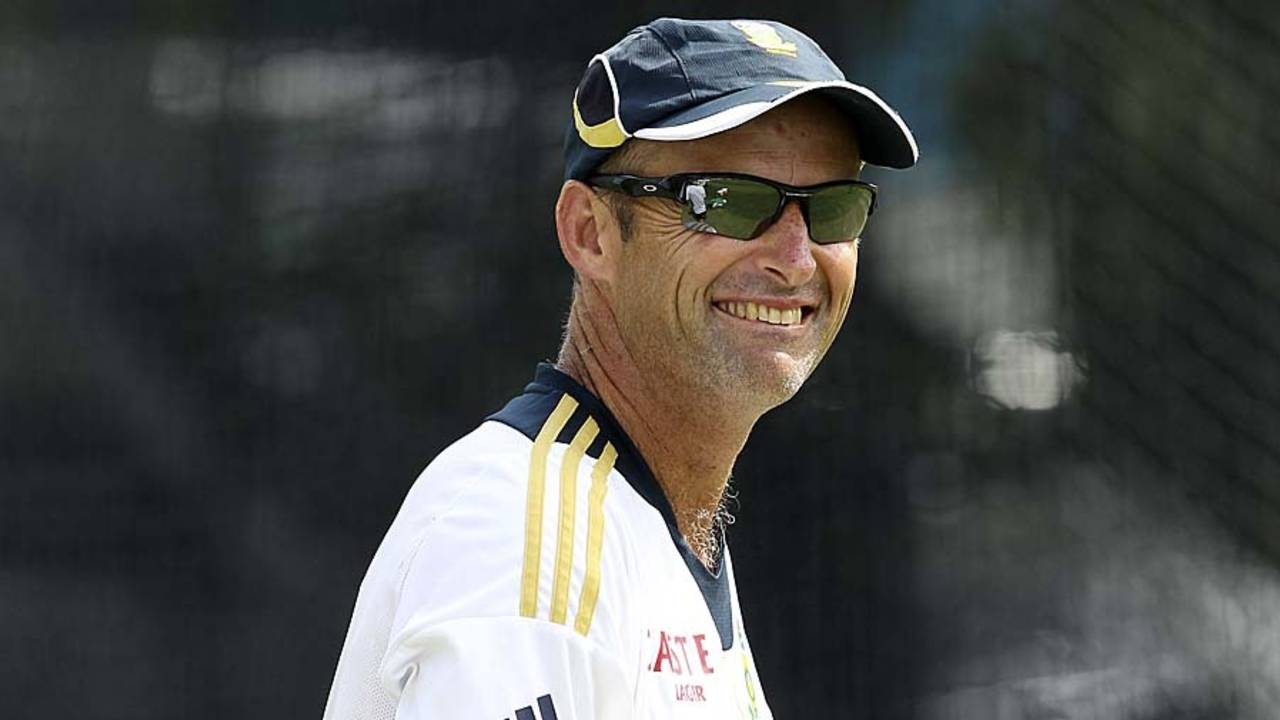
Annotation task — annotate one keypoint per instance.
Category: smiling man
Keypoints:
(566, 559)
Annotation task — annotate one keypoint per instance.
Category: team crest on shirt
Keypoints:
(752, 709)
(750, 683)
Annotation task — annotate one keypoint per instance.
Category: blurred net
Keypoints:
(251, 281)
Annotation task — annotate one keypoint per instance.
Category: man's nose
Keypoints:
(785, 250)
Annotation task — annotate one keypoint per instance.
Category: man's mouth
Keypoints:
(761, 312)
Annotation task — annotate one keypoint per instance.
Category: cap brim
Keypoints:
(883, 137)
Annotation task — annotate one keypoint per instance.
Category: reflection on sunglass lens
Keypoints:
(837, 214)
(734, 207)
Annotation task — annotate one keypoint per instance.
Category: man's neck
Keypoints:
(689, 446)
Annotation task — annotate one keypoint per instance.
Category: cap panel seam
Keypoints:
(679, 63)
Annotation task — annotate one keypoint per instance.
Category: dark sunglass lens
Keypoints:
(839, 214)
(734, 207)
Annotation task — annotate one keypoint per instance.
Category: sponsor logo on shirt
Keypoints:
(686, 658)
(546, 710)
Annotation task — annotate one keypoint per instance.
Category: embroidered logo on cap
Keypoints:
(766, 36)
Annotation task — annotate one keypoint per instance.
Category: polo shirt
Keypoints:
(535, 571)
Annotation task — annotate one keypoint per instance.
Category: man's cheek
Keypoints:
(839, 311)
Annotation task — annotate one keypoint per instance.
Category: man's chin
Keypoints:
(772, 379)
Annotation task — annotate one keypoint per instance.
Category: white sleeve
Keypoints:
(498, 668)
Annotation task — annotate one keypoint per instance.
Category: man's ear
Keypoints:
(588, 232)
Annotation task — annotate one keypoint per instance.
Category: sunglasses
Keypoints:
(744, 206)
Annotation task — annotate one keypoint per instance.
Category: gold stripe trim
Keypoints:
(607, 134)
(595, 538)
(568, 510)
(533, 503)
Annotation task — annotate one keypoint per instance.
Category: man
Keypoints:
(565, 559)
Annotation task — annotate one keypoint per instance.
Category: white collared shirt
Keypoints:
(535, 572)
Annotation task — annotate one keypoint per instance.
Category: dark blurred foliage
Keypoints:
(259, 262)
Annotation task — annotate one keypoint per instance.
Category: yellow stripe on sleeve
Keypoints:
(595, 538)
(568, 508)
(533, 504)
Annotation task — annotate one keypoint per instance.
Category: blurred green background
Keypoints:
(260, 261)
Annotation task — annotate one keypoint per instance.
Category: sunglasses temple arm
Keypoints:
(647, 187)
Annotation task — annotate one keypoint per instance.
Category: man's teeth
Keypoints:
(763, 313)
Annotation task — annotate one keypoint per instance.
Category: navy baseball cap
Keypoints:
(686, 79)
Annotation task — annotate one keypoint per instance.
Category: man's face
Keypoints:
(678, 292)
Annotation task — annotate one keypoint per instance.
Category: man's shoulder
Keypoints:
(492, 451)
(540, 512)
(534, 521)
(499, 470)
(500, 492)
